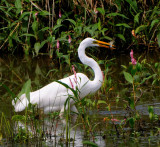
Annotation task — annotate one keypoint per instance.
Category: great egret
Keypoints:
(52, 97)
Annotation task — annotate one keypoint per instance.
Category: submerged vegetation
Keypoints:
(56, 28)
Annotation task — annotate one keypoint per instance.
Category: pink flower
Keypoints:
(71, 83)
(134, 62)
(60, 15)
(36, 13)
(58, 45)
(75, 74)
(69, 39)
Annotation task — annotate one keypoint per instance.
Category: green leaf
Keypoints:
(123, 24)
(101, 102)
(18, 6)
(35, 26)
(158, 38)
(128, 77)
(131, 122)
(136, 18)
(26, 89)
(92, 144)
(24, 14)
(99, 25)
(108, 38)
(155, 21)
(18, 118)
(120, 36)
(133, 5)
(116, 14)
(101, 10)
(125, 67)
(44, 12)
(140, 28)
(37, 47)
(72, 21)
(56, 27)
(8, 90)
(28, 35)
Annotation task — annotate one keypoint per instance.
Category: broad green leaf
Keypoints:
(140, 28)
(108, 38)
(116, 14)
(136, 18)
(35, 26)
(123, 24)
(125, 67)
(158, 38)
(37, 47)
(131, 122)
(26, 89)
(133, 5)
(44, 12)
(56, 27)
(18, 5)
(155, 21)
(44, 29)
(99, 25)
(101, 10)
(43, 43)
(72, 21)
(128, 77)
(120, 36)
(24, 14)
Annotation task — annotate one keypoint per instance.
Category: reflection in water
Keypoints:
(55, 133)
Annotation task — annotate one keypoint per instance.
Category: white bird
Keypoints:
(53, 96)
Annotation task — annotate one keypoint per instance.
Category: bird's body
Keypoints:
(53, 96)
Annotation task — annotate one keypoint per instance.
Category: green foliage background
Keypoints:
(35, 26)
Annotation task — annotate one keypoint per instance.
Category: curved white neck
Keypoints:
(98, 79)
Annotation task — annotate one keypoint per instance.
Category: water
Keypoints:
(15, 71)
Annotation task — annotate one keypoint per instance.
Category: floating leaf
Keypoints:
(128, 77)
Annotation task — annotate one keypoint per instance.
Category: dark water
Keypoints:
(15, 71)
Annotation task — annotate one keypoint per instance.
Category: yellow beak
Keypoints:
(104, 44)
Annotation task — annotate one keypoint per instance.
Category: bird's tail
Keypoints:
(21, 103)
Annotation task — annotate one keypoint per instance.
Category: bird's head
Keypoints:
(93, 42)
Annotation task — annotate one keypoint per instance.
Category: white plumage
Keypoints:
(53, 96)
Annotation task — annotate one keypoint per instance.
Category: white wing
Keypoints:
(53, 96)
